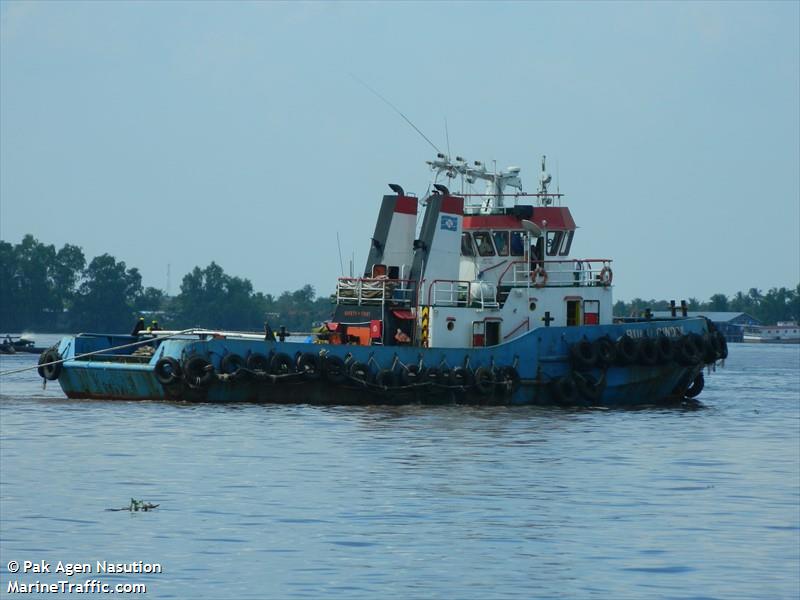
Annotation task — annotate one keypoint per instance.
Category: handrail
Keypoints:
(484, 303)
(376, 279)
(374, 290)
(519, 194)
(579, 275)
(527, 322)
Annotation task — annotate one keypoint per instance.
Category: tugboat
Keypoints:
(484, 302)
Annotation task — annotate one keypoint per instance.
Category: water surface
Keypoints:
(296, 501)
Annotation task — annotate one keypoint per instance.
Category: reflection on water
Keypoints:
(290, 501)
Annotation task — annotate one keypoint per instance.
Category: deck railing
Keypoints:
(451, 292)
(372, 291)
(558, 273)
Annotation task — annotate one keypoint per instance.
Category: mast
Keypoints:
(495, 182)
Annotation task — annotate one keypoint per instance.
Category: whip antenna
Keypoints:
(447, 136)
(397, 110)
(339, 244)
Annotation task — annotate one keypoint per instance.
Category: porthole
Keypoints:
(532, 305)
(450, 326)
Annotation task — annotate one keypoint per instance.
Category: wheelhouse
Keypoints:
(480, 270)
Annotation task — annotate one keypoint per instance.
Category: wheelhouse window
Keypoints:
(501, 242)
(484, 243)
(554, 242)
(566, 243)
(517, 243)
(467, 249)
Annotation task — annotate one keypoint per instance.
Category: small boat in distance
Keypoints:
(13, 344)
(484, 302)
(785, 332)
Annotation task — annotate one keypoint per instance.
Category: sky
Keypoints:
(173, 134)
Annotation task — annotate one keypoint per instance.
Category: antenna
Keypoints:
(558, 179)
(168, 277)
(339, 245)
(447, 136)
(397, 110)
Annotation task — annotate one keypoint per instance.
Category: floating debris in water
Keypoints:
(136, 505)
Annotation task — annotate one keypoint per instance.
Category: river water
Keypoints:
(290, 501)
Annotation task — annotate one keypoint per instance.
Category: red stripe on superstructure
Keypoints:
(557, 217)
(453, 205)
(406, 205)
(492, 222)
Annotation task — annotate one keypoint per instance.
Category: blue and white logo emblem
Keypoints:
(449, 223)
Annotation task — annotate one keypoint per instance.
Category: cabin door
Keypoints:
(492, 333)
(573, 313)
(485, 333)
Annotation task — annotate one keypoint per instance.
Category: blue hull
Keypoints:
(540, 358)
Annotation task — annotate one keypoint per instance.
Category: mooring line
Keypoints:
(79, 356)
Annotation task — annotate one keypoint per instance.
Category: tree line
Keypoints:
(45, 289)
(778, 304)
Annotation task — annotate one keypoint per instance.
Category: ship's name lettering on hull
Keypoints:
(671, 331)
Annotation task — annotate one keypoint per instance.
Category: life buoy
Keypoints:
(564, 389)
(386, 378)
(606, 276)
(167, 370)
(697, 385)
(310, 365)
(647, 351)
(360, 371)
(198, 371)
(666, 349)
(583, 354)
(626, 350)
(232, 364)
(606, 353)
(334, 369)
(281, 364)
(508, 380)
(258, 362)
(484, 380)
(49, 372)
(539, 277)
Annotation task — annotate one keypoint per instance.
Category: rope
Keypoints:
(131, 345)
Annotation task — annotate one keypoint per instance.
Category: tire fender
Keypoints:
(484, 380)
(198, 371)
(167, 370)
(50, 372)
